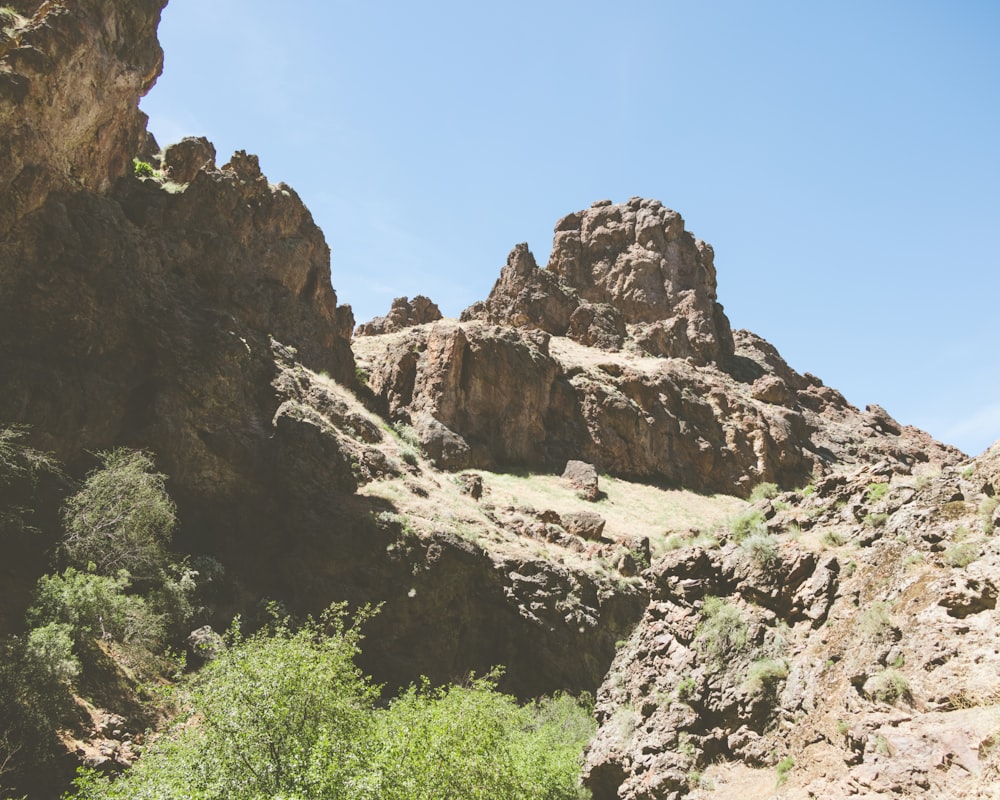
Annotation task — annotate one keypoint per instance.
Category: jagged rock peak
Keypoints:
(405, 313)
(625, 274)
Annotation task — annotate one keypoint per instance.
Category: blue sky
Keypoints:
(842, 158)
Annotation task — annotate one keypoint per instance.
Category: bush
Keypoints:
(122, 518)
(95, 607)
(961, 554)
(286, 713)
(762, 549)
(748, 523)
(142, 169)
(764, 676)
(722, 632)
(764, 491)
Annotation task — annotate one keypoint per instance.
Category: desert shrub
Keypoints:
(961, 554)
(685, 689)
(762, 549)
(722, 631)
(876, 520)
(986, 509)
(875, 623)
(747, 523)
(889, 686)
(142, 169)
(96, 607)
(764, 491)
(833, 538)
(122, 518)
(765, 675)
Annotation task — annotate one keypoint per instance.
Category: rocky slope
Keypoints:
(839, 635)
(845, 646)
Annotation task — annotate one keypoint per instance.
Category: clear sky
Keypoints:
(843, 158)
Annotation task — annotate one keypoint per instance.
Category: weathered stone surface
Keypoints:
(71, 75)
(182, 161)
(403, 314)
(582, 477)
(585, 524)
(613, 268)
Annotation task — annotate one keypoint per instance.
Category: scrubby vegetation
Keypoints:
(286, 713)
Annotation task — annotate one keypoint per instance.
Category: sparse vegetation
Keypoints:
(747, 523)
(142, 169)
(785, 766)
(889, 686)
(764, 491)
(833, 538)
(875, 623)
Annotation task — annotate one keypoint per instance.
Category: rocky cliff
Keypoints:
(832, 637)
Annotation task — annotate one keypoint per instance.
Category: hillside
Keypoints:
(589, 479)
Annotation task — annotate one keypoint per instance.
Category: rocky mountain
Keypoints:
(768, 589)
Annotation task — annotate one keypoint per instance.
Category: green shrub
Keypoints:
(685, 689)
(722, 631)
(764, 676)
(833, 538)
(122, 518)
(142, 169)
(876, 491)
(762, 549)
(764, 491)
(889, 686)
(95, 607)
(286, 714)
(747, 523)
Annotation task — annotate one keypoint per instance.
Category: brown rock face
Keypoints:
(616, 270)
(71, 75)
(519, 397)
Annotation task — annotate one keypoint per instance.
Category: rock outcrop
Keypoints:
(404, 314)
(618, 271)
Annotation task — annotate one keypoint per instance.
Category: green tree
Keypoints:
(21, 468)
(122, 518)
(286, 714)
